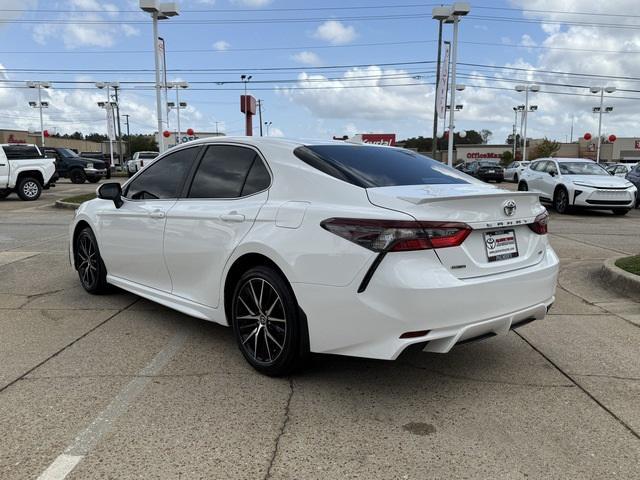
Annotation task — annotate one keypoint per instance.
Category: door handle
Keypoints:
(232, 217)
(156, 214)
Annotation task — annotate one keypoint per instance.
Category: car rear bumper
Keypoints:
(413, 292)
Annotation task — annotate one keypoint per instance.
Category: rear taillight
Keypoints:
(397, 235)
(540, 224)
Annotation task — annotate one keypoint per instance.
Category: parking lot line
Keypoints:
(90, 436)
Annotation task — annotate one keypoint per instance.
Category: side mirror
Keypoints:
(552, 173)
(111, 191)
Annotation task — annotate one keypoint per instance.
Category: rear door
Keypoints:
(227, 191)
(4, 169)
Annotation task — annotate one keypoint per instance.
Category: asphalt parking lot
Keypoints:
(118, 387)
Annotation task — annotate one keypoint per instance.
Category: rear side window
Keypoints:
(228, 171)
(537, 166)
(368, 166)
(164, 178)
(20, 152)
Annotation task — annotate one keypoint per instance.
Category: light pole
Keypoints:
(40, 105)
(526, 89)
(457, 10)
(178, 104)
(126, 116)
(599, 111)
(440, 14)
(158, 11)
(267, 124)
(109, 105)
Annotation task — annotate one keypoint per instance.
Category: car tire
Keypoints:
(620, 211)
(561, 201)
(88, 262)
(77, 176)
(515, 178)
(267, 322)
(93, 179)
(29, 189)
(523, 187)
(4, 193)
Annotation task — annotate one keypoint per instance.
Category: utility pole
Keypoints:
(434, 141)
(126, 115)
(40, 105)
(216, 127)
(121, 155)
(260, 114)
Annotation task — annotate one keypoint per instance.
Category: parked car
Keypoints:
(485, 170)
(322, 247)
(634, 177)
(619, 169)
(25, 171)
(138, 161)
(76, 168)
(575, 182)
(514, 170)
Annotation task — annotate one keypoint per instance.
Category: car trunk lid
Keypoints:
(498, 243)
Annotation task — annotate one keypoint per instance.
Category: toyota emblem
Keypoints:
(509, 208)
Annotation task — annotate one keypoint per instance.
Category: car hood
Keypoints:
(600, 181)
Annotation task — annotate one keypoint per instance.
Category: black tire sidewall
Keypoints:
(100, 285)
(77, 176)
(555, 201)
(21, 185)
(523, 187)
(291, 354)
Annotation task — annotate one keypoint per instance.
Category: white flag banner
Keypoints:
(111, 131)
(443, 83)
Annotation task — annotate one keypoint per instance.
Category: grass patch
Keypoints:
(630, 264)
(80, 198)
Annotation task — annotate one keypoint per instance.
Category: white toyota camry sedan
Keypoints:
(320, 247)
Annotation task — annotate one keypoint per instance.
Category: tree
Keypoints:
(141, 143)
(506, 158)
(96, 137)
(486, 135)
(546, 148)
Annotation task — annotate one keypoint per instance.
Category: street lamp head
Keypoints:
(183, 85)
(101, 104)
(44, 104)
(101, 85)
(441, 13)
(595, 109)
(45, 84)
(183, 104)
(149, 6)
(520, 88)
(460, 87)
(171, 104)
(610, 89)
(534, 88)
(32, 104)
(459, 106)
(460, 9)
(608, 109)
(243, 76)
(595, 89)
(533, 108)
(169, 9)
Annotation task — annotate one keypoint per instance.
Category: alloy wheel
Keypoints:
(561, 201)
(30, 189)
(261, 320)
(87, 261)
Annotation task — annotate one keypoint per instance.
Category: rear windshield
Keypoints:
(20, 152)
(368, 166)
(147, 155)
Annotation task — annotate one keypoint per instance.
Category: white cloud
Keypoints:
(221, 45)
(251, 3)
(13, 9)
(307, 58)
(527, 41)
(335, 32)
(82, 32)
(275, 132)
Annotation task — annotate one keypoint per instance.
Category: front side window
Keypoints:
(369, 166)
(229, 171)
(164, 178)
(537, 166)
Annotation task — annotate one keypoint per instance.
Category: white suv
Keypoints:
(577, 182)
(138, 161)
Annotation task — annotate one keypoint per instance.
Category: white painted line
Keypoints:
(61, 467)
(90, 436)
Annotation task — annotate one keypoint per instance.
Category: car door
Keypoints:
(4, 169)
(548, 179)
(131, 237)
(534, 176)
(228, 188)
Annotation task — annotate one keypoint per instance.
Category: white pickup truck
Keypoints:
(25, 171)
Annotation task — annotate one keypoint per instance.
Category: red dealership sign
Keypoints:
(379, 138)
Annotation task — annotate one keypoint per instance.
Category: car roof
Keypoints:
(561, 160)
(275, 141)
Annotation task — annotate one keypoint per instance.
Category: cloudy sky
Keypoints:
(325, 68)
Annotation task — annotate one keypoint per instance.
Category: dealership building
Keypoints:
(624, 150)
(24, 136)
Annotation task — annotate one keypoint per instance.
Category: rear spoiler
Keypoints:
(422, 200)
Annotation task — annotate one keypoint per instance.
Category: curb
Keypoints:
(623, 281)
(68, 205)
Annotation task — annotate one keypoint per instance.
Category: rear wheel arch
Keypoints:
(523, 186)
(81, 225)
(36, 174)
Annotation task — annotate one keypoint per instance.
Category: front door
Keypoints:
(228, 189)
(131, 237)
